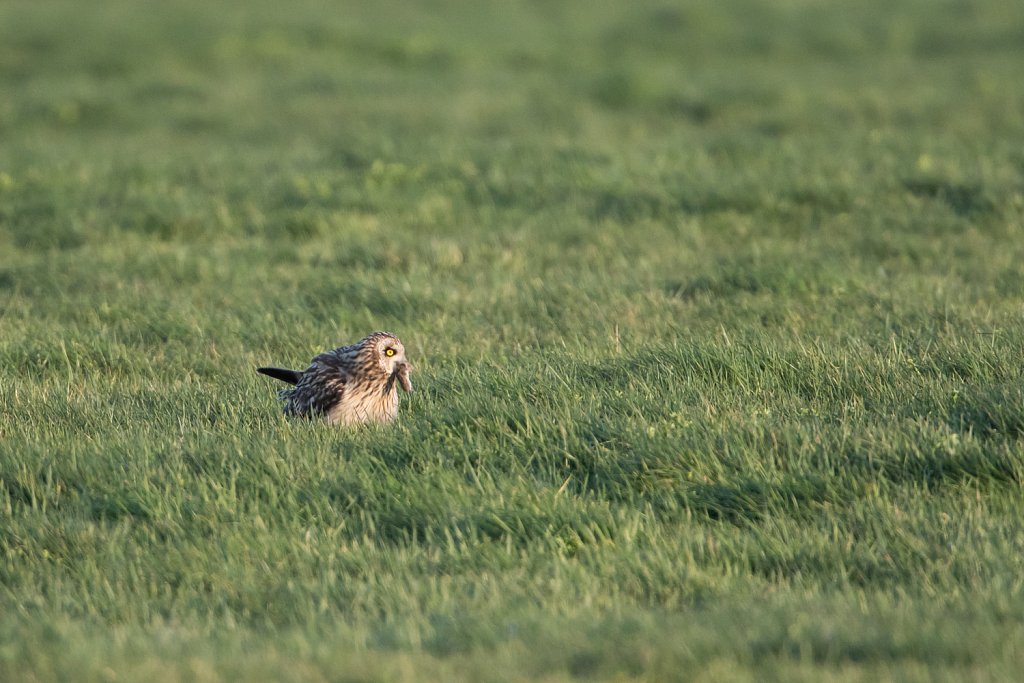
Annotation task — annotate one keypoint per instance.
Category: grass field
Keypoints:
(716, 309)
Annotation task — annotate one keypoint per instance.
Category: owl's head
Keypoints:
(388, 353)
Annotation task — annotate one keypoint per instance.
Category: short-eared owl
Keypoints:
(349, 385)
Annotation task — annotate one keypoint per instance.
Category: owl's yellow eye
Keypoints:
(389, 352)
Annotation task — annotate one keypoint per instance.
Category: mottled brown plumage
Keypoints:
(350, 385)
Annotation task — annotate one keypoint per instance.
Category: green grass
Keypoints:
(716, 309)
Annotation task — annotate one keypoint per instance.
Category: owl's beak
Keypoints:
(402, 371)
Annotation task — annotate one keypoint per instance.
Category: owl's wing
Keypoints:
(320, 388)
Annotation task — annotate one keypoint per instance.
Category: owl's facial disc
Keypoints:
(391, 355)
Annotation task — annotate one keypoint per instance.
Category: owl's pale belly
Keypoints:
(359, 407)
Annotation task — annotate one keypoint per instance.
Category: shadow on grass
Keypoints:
(990, 412)
(743, 275)
(964, 200)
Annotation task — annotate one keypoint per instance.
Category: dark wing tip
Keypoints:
(289, 376)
